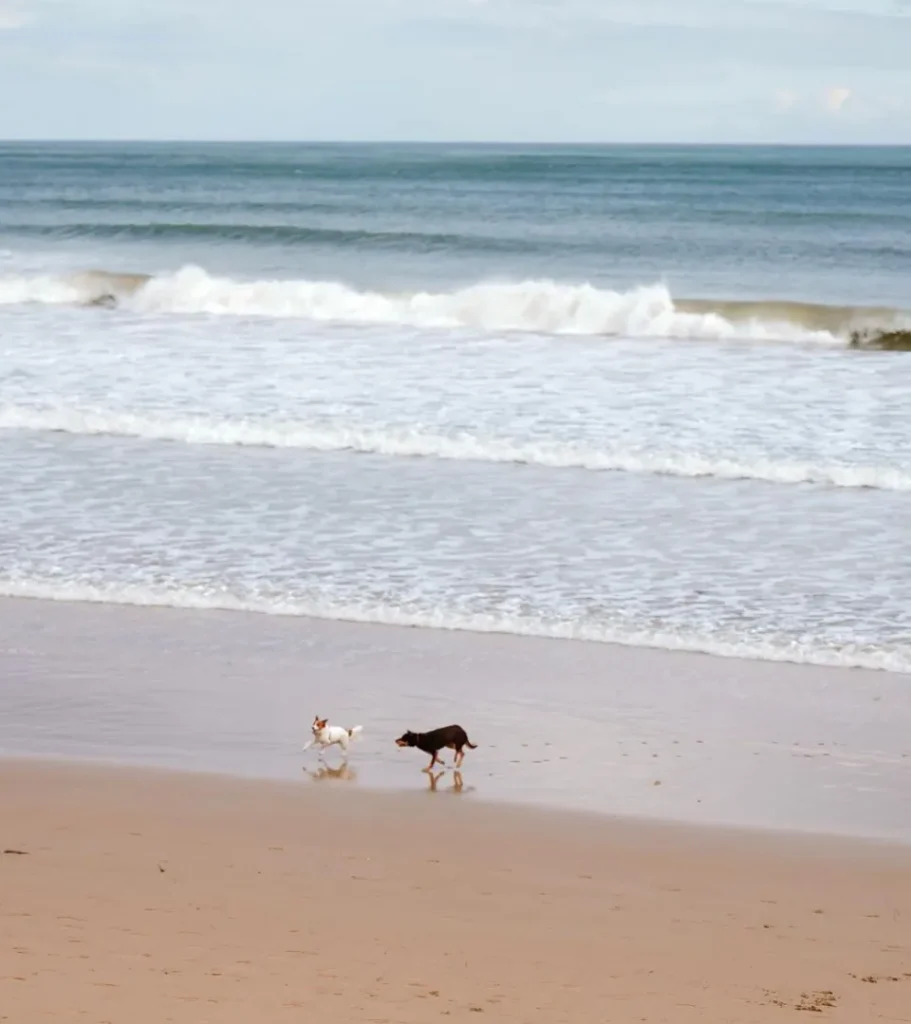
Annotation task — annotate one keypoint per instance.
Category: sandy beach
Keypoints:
(145, 896)
(560, 724)
(584, 866)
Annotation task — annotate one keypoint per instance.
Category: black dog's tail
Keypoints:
(470, 745)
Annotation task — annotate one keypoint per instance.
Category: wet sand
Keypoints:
(558, 723)
(150, 896)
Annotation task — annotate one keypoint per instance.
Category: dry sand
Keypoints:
(141, 897)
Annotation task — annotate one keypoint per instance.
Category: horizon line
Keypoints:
(449, 142)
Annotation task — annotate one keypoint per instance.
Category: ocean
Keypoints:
(601, 393)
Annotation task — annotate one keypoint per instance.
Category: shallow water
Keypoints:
(466, 387)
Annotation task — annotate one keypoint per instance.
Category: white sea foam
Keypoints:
(16, 289)
(847, 656)
(540, 306)
(460, 447)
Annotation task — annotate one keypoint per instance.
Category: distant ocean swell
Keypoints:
(459, 447)
(539, 306)
(844, 656)
(277, 234)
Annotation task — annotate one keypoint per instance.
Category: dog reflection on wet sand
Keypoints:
(458, 786)
(324, 773)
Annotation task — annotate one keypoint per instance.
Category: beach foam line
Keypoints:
(463, 447)
(536, 306)
(215, 599)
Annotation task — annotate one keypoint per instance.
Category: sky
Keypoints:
(778, 71)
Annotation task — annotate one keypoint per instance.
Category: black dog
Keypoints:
(452, 736)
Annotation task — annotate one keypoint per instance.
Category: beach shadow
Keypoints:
(326, 773)
(458, 784)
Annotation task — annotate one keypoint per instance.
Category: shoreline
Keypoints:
(631, 732)
(477, 625)
(157, 895)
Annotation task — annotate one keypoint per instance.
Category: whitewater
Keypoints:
(849, 656)
(542, 306)
(604, 396)
(463, 446)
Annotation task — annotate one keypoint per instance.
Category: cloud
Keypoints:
(836, 97)
(834, 100)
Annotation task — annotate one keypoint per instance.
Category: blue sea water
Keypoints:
(595, 392)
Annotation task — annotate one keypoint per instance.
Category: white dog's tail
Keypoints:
(355, 731)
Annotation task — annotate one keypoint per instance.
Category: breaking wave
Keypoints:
(540, 306)
(844, 656)
(459, 447)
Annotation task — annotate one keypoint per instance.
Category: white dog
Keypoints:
(326, 735)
